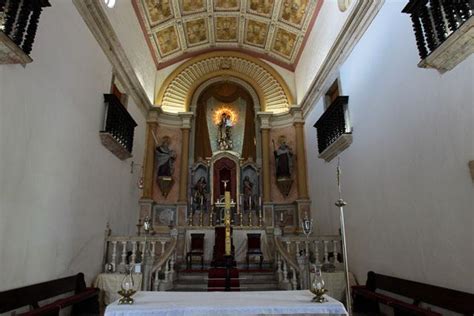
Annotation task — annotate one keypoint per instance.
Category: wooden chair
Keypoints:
(197, 250)
(254, 248)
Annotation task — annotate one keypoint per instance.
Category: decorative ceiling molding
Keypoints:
(275, 30)
(176, 92)
(95, 18)
(361, 16)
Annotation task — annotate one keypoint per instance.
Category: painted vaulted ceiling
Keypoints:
(275, 30)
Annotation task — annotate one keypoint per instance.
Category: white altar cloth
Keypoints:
(226, 303)
(239, 238)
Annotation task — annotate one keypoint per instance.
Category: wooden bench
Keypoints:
(367, 300)
(84, 301)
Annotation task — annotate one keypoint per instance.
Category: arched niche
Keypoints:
(203, 89)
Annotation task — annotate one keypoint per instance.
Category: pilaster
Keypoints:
(186, 118)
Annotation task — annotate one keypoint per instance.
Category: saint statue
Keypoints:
(248, 192)
(225, 132)
(165, 158)
(283, 158)
(200, 192)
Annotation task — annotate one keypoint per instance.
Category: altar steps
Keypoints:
(249, 281)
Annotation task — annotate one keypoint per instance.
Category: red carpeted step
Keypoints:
(216, 279)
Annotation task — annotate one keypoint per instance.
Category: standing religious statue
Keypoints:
(224, 141)
(248, 193)
(200, 192)
(165, 158)
(283, 159)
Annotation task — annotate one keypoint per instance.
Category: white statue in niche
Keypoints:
(224, 141)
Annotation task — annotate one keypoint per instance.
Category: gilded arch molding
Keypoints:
(176, 93)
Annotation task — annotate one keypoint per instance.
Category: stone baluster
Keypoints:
(156, 282)
(297, 249)
(114, 254)
(172, 262)
(316, 252)
(124, 253)
(279, 271)
(334, 250)
(143, 245)
(326, 256)
(285, 272)
(294, 283)
(134, 252)
(306, 247)
(163, 243)
(288, 247)
(153, 251)
(167, 270)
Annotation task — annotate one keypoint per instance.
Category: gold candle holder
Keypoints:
(211, 218)
(201, 217)
(126, 297)
(250, 218)
(260, 219)
(241, 219)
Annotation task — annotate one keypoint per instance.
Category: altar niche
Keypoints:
(225, 154)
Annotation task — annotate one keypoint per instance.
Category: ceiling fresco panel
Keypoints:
(227, 28)
(226, 5)
(192, 6)
(167, 39)
(158, 11)
(284, 43)
(270, 29)
(294, 12)
(256, 33)
(196, 32)
(261, 7)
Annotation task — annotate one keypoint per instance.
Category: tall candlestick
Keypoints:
(341, 203)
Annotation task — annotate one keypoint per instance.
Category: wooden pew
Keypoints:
(366, 299)
(84, 301)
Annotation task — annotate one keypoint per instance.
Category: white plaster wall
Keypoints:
(127, 27)
(410, 197)
(328, 24)
(58, 185)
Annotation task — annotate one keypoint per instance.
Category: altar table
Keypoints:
(226, 303)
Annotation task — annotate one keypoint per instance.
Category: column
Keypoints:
(298, 123)
(148, 163)
(183, 175)
(265, 129)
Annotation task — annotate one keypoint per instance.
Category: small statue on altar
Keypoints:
(283, 158)
(224, 141)
(248, 193)
(165, 158)
(200, 193)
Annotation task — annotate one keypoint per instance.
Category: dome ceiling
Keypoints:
(275, 30)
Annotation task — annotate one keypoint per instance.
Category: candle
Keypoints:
(281, 216)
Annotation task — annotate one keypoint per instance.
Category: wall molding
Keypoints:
(96, 19)
(361, 16)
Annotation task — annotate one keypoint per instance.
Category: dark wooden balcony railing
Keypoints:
(19, 21)
(435, 20)
(333, 123)
(118, 122)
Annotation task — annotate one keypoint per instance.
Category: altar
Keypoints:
(239, 240)
(226, 303)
